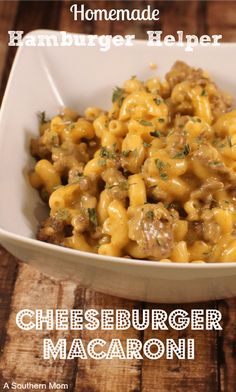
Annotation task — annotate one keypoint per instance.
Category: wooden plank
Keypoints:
(172, 17)
(8, 273)
(67, 22)
(226, 346)
(221, 19)
(108, 375)
(22, 358)
(8, 12)
(30, 15)
(221, 13)
(198, 375)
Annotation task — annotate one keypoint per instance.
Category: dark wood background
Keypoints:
(214, 369)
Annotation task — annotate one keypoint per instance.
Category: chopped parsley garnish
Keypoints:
(145, 123)
(118, 95)
(150, 215)
(92, 216)
(159, 164)
(146, 144)
(77, 177)
(42, 117)
(203, 93)
(105, 153)
(158, 101)
(126, 153)
(183, 153)
(161, 167)
(155, 134)
(161, 120)
(215, 163)
(164, 176)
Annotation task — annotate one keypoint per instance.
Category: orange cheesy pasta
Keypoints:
(152, 178)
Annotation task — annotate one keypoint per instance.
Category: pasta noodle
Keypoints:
(153, 178)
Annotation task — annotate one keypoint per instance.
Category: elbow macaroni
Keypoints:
(153, 178)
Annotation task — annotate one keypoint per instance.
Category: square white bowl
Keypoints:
(47, 78)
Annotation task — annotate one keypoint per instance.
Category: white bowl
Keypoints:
(46, 78)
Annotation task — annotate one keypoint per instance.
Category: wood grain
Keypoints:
(115, 374)
(227, 346)
(8, 11)
(198, 375)
(22, 357)
(8, 273)
(28, 16)
(214, 368)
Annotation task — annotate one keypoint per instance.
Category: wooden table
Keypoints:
(214, 368)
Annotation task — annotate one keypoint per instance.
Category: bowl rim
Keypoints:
(5, 234)
(112, 259)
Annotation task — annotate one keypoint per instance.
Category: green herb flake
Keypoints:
(126, 153)
(42, 117)
(158, 101)
(145, 123)
(149, 215)
(146, 144)
(78, 176)
(215, 163)
(118, 95)
(164, 176)
(161, 120)
(155, 134)
(183, 153)
(92, 216)
(161, 166)
(203, 93)
(104, 153)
